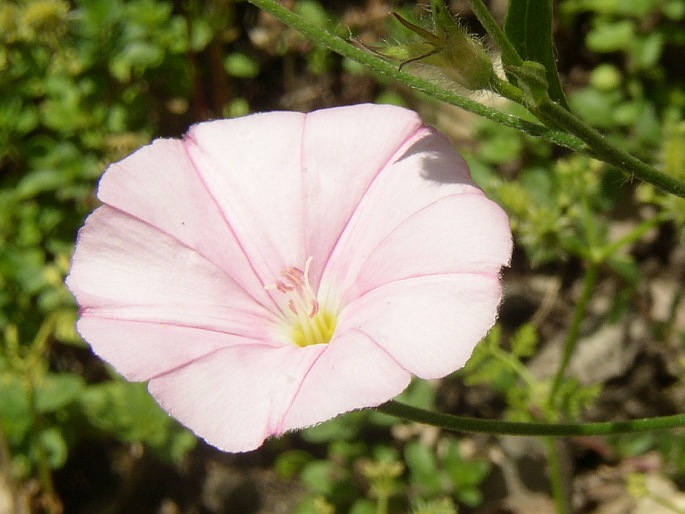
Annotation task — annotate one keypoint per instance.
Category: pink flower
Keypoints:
(270, 272)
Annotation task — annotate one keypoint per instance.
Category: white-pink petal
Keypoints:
(425, 170)
(141, 350)
(343, 152)
(464, 233)
(429, 324)
(126, 269)
(159, 186)
(252, 167)
(235, 397)
(150, 304)
(352, 373)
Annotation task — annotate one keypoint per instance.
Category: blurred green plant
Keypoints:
(504, 369)
(84, 83)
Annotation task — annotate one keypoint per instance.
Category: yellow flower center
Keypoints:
(307, 322)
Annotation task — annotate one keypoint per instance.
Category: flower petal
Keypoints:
(457, 234)
(236, 397)
(124, 269)
(252, 167)
(289, 182)
(142, 350)
(431, 324)
(343, 151)
(427, 170)
(159, 185)
(352, 373)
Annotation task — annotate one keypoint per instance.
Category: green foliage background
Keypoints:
(84, 83)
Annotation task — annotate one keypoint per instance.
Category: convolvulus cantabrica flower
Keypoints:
(270, 272)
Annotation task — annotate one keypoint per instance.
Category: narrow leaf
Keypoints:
(529, 28)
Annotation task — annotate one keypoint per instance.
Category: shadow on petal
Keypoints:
(439, 161)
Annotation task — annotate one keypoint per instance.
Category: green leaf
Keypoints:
(54, 446)
(529, 28)
(57, 390)
(363, 506)
(292, 462)
(317, 476)
(15, 408)
(423, 466)
(608, 37)
(127, 411)
(241, 65)
(524, 341)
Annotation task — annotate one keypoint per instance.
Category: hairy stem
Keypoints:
(509, 53)
(379, 65)
(580, 136)
(606, 151)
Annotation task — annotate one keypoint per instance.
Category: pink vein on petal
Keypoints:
(226, 220)
(302, 190)
(199, 357)
(192, 248)
(95, 312)
(391, 158)
(279, 424)
(409, 278)
(466, 266)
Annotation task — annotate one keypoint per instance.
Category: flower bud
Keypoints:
(448, 51)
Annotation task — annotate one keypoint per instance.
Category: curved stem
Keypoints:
(556, 116)
(507, 90)
(606, 151)
(383, 67)
(581, 137)
(496, 427)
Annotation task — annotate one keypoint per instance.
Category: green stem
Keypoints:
(574, 330)
(556, 116)
(382, 505)
(507, 90)
(557, 476)
(509, 54)
(606, 151)
(580, 133)
(496, 427)
(514, 365)
(383, 67)
(634, 235)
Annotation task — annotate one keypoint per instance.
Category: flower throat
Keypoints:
(309, 322)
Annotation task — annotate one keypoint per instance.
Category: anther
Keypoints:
(283, 288)
(291, 306)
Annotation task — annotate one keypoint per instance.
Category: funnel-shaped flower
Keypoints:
(270, 272)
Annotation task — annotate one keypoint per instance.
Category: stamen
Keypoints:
(295, 276)
(315, 308)
(291, 306)
(311, 324)
(283, 288)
